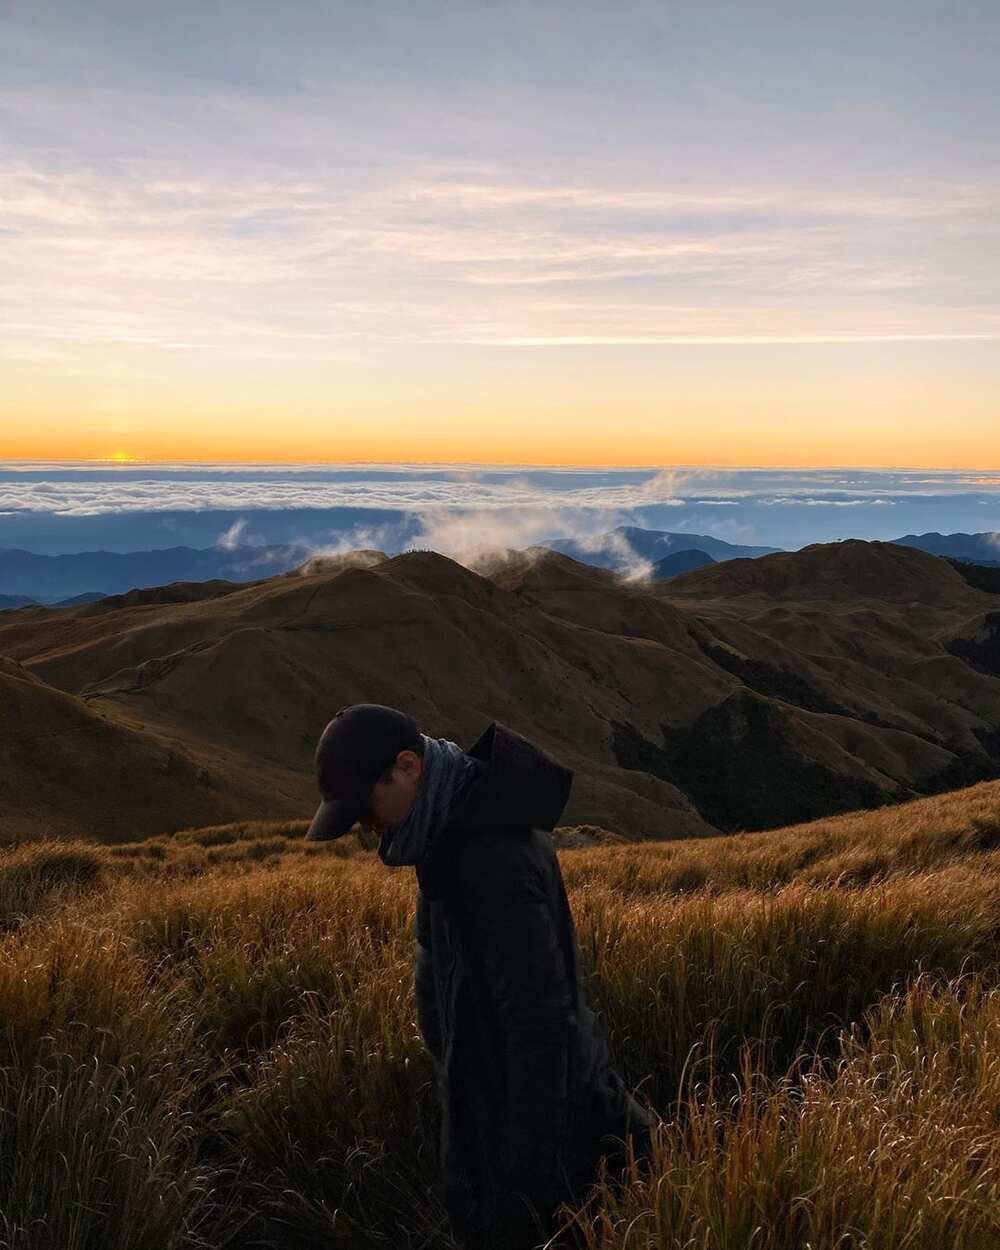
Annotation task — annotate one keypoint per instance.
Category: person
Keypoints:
(529, 1097)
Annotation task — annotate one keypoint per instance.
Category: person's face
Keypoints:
(390, 800)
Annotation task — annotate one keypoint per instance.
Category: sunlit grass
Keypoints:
(210, 1039)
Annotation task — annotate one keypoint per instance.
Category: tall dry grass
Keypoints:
(210, 1040)
(898, 1148)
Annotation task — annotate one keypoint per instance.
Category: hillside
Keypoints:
(741, 695)
(812, 1012)
(68, 766)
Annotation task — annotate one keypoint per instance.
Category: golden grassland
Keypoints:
(209, 1039)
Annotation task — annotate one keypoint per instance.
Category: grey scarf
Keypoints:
(446, 771)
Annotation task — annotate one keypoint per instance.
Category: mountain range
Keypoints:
(26, 576)
(741, 695)
(618, 548)
(977, 548)
(45, 579)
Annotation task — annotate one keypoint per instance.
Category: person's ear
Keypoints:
(411, 762)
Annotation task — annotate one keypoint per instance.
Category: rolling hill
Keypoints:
(67, 765)
(741, 695)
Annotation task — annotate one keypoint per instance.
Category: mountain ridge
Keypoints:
(55, 579)
(685, 706)
(982, 546)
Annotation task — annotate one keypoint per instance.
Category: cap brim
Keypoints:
(335, 817)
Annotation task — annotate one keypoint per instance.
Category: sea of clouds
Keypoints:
(460, 509)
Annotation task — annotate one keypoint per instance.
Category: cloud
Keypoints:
(661, 201)
(229, 539)
(665, 485)
(467, 511)
(612, 542)
(158, 489)
(483, 538)
(805, 502)
(316, 267)
(467, 533)
(520, 498)
(717, 340)
(358, 537)
(201, 186)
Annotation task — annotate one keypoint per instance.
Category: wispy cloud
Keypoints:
(152, 257)
(737, 203)
(363, 207)
(694, 340)
(800, 501)
(232, 537)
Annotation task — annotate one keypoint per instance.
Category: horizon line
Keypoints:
(658, 466)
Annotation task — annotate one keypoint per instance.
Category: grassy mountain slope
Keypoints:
(740, 695)
(814, 1012)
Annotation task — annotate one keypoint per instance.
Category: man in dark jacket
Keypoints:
(529, 1098)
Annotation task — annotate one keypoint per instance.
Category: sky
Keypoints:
(543, 233)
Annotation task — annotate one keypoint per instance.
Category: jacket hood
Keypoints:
(519, 784)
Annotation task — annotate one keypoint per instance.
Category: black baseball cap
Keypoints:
(353, 751)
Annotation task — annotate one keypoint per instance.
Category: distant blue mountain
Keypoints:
(88, 596)
(85, 576)
(680, 562)
(981, 548)
(56, 533)
(612, 550)
(24, 601)
(90, 575)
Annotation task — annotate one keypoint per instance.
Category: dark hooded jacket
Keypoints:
(528, 1096)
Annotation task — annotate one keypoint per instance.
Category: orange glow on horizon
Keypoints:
(865, 409)
(603, 454)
